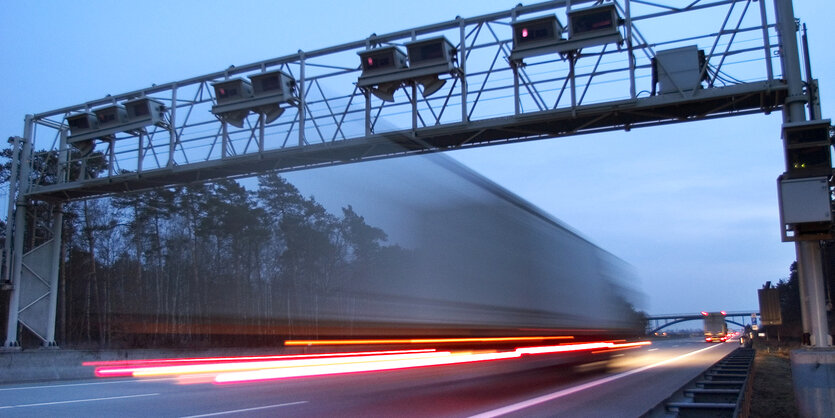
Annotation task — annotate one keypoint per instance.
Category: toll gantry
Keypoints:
(531, 72)
(539, 71)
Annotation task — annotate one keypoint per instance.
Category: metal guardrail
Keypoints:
(718, 392)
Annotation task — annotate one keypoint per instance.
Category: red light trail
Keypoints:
(262, 368)
(426, 340)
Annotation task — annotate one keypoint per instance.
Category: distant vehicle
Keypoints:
(716, 330)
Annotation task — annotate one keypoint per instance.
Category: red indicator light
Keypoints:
(704, 313)
(723, 313)
(524, 32)
(370, 61)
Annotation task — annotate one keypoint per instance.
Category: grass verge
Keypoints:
(772, 394)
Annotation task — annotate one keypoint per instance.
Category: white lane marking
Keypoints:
(652, 349)
(88, 384)
(78, 400)
(551, 396)
(235, 411)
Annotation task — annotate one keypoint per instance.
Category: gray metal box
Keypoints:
(678, 69)
(805, 200)
(148, 111)
(383, 60)
(111, 116)
(600, 21)
(230, 91)
(276, 84)
(534, 37)
(532, 33)
(82, 123)
(435, 52)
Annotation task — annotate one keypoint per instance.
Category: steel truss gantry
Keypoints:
(489, 99)
(608, 89)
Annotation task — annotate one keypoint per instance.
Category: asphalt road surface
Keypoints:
(632, 382)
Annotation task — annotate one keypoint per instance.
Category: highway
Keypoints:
(634, 381)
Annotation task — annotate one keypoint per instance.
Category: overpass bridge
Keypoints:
(656, 323)
(514, 75)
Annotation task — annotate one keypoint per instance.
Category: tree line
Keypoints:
(199, 264)
(790, 301)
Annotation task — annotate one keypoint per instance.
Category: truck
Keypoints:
(467, 259)
(716, 330)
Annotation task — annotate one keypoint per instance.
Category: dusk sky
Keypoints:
(692, 206)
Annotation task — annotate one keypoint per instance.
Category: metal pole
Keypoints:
(57, 228)
(301, 98)
(804, 297)
(514, 65)
(224, 139)
(64, 156)
(810, 82)
(766, 43)
(572, 56)
(516, 102)
(630, 54)
(20, 225)
(809, 261)
(111, 159)
(414, 109)
(262, 121)
(786, 31)
(462, 66)
(367, 112)
(812, 293)
(7, 254)
(140, 156)
(172, 127)
(57, 238)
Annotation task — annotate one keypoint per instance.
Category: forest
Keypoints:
(158, 267)
(789, 291)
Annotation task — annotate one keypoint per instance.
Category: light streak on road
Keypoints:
(364, 366)
(426, 340)
(127, 367)
(260, 368)
(151, 371)
(457, 358)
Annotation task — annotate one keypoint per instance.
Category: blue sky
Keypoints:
(692, 206)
